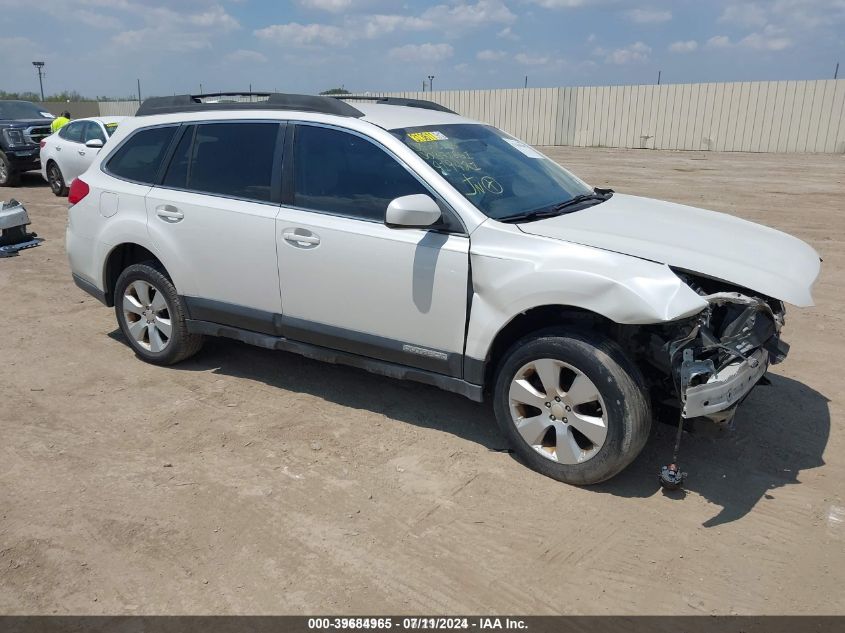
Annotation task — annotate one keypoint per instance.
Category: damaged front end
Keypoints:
(13, 234)
(713, 360)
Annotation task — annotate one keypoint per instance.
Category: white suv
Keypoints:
(396, 236)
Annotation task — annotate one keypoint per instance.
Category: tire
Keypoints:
(8, 176)
(56, 180)
(145, 302)
(574, 437)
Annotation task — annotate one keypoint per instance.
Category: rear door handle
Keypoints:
(169, 213)
(303, 239)
(81, 153)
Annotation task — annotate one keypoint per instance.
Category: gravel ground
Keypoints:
(251, 481)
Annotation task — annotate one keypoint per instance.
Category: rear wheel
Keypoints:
(572, 405)
(56, 180)
(152, 316)
(8, 176)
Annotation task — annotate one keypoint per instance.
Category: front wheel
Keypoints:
(152, 317)
(572, 406)
(8, 176)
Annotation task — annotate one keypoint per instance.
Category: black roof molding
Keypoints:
(398, 101)
(270, 101)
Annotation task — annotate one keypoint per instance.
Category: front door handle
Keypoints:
(81, 152)
(300, 237)
(169, 213)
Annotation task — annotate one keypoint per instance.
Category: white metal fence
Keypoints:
(766, 116)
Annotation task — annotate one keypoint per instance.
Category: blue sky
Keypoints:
(100, 47)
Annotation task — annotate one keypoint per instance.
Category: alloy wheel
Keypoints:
(147, 316)
(558, 411)
(55, 179)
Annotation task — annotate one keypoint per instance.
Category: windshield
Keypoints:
(499, 174)
(22, 110)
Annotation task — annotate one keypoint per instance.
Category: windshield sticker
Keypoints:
(110, 125)
(426, 137)
(525, 148)
(47, 115)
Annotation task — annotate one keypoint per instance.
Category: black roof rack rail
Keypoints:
(398, 101)
(270, 101)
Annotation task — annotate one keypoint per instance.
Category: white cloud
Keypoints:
(296, 34)
(96, 20)
(332, 6)
(687, 46)
(771, 38)
(246, 56)
(719, 41)
(748, 14)
(462, 15)
(766, 41)
(452, 18)
(215, 17)
(415, 53)
(373, 26)
(562, 4)
(649, 16)
(167, 30)
(635, 53)
(507, 34)
(532, 60)
(490, 55)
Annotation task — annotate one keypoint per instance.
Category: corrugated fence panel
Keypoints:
(766, 116)
(118, 108)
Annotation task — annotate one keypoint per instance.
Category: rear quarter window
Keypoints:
(139, 157)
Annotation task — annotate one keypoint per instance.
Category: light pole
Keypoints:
(431, 83)
(39, 66)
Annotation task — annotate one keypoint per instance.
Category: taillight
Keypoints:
(78, 190)
(42, 143)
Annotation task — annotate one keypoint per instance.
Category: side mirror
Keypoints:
(417, 211)
(94, 143)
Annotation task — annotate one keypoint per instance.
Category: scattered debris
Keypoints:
(13, 236)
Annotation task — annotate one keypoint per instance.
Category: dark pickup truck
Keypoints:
(22, 126)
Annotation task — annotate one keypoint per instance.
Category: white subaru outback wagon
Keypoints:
(399, 237)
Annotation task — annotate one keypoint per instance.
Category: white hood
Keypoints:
(706, 242)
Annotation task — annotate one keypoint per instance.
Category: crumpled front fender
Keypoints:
(515, 273)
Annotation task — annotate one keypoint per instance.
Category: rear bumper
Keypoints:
(726, 388)
(90, 288)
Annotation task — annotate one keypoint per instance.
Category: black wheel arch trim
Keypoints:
(90, 288)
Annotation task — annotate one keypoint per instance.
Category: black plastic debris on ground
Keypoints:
(13, 235)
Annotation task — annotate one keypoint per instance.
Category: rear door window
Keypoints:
(227, 159)
(73, 131)
(140, 156)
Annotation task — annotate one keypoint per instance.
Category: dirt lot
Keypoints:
(251, 481)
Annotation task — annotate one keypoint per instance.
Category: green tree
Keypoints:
(336, 91)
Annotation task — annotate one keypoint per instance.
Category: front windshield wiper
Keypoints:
(598, 195)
